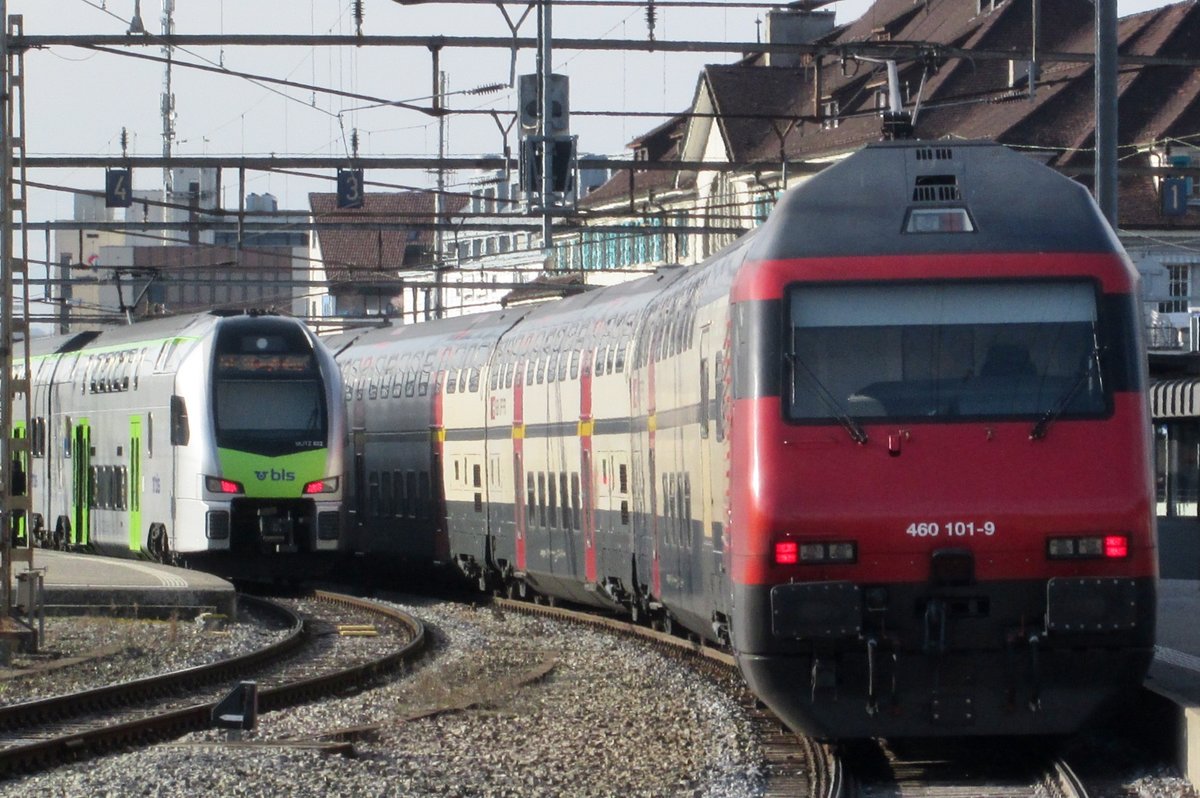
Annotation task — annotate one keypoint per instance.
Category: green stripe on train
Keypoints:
(281, 477)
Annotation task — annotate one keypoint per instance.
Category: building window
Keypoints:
(829, 114)
(1177, 289)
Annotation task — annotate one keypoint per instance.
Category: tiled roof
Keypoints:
(353, 256)
(766, 110)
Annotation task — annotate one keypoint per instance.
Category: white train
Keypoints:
(213, 439)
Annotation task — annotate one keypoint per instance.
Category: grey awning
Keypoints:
(1175, 398)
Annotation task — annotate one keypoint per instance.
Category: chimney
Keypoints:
(795, 26)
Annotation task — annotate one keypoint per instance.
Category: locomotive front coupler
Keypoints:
(277, 528)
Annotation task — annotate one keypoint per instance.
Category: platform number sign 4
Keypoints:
(350, 188)
(118, 188)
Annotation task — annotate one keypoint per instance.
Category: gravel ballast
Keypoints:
(505, 704)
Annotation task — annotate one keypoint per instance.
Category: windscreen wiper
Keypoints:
(857, 433)
(1050, 416)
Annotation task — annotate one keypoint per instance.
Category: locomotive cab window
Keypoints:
(944, 351)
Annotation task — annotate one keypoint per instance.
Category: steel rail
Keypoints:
(172, 723)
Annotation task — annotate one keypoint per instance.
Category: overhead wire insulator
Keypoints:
(490, 88)
(651, 18)
(358, 16)
(354, 142)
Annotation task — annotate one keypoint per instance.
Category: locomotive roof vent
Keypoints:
(936, 188)
(935, 153)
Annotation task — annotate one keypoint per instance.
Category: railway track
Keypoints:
(334, 643)
(801, 766)
(953, 768)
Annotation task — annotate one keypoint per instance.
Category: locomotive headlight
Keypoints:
(219, 485)
(327, 485)
(1092, 547)
(815, 553)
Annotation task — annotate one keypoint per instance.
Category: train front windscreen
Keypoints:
(944, 352)
(268, 397)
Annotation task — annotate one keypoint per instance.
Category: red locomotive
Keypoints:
(891, 447)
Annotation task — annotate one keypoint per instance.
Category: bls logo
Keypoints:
(276, 475)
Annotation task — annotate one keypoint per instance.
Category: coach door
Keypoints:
(82, 484)
(135, 483)
(710, 538)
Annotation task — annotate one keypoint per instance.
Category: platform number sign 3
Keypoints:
(350, 188)
(118, 189)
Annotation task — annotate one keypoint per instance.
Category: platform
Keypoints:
(83, 583)
(1175, 673)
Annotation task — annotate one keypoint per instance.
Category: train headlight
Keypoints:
(219, 485)
(789, 552)
(1091, 547)
(327, 485)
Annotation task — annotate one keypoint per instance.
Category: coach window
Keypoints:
(609, 357)
(574, 364)
(410, 483)
(529, 369)
(410, 383)
(473, 387)
(493, 377)
(509, 371)
(598, 368)
(530, 498)
(541, 489)
(452, 382)
(423, 384)
(426, 504)
(620, 363)
(576, 519)
(385, 494)
(552, 501)
(373, 508)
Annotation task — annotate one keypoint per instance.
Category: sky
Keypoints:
(78, 101)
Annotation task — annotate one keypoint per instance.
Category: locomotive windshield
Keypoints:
(944, 351)
(268, 395)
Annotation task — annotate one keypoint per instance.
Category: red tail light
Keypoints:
(218, 485)
(327, 485)
(1116, 547)
(787, 552)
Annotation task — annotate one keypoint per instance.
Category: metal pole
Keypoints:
(545, 71)
(6, 323)
(439, 89)
(1106, 108)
